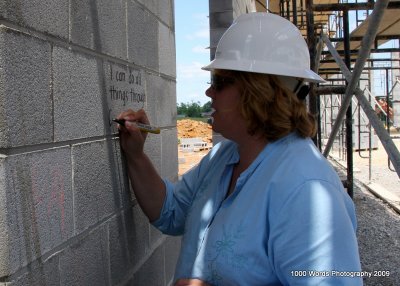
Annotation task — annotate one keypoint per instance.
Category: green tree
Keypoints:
(182, 109)
(194, 110)
(206, 107)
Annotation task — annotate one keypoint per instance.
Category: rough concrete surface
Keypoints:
(378, 223)
(378, 237)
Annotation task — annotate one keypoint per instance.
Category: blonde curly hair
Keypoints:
(269, 108)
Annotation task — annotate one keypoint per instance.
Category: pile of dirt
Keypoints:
(188, 128)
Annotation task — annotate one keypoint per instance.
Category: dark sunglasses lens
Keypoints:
(219, 83)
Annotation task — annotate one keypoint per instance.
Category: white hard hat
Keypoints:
(264, 43)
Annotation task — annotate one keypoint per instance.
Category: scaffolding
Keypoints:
(344, 38)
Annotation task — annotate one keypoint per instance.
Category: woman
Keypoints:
(264, 207)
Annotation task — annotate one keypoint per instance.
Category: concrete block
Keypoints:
(161, 97)
(25, 96)
(47, 16)
(152, 148)
(172, 249)
(125, 89)
(155, 235)
(143, 43)
(37, 216)
(128, 241)
(221, 19)
(39, 274)
(6, 266)
(100, 25)
(215, 36)
(86, 262)
(221, 5)
(169, 151)
(152, 271)
(78, 96)
(99, 182)
(162, 9)
(167, 56)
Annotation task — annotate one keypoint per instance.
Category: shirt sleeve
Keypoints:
(179, 196)
(312, 238)
(178, 200)
(175, 208)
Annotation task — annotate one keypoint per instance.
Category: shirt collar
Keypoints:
(262, 155)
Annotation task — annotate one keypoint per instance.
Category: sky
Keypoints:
(192, 42)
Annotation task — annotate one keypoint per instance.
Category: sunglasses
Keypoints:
(218, 83)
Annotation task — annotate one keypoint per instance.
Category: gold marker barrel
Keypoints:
(148, 128)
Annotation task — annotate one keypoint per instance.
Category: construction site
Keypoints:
(354, 46)
(68, 214)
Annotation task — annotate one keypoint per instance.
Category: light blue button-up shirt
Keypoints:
(288, 221)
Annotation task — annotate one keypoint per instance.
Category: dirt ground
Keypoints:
(378, 235)
(378, 224)
(188, 128)
(378, 229)
(191, 129)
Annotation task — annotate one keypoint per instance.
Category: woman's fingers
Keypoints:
(130, 115)
(190, 282)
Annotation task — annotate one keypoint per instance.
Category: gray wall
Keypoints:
(67, 216)
(222, 14)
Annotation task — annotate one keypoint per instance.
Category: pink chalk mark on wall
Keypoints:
(55, 201)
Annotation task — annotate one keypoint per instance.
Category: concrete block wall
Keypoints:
(222, 14)
(330, 105)
(67, 67)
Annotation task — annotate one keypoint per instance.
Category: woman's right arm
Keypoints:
(147, 185)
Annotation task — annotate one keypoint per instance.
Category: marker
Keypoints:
(141, 126)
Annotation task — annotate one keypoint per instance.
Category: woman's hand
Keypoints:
(132, 139)
(191, 282)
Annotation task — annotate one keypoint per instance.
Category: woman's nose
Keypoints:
(210, 92)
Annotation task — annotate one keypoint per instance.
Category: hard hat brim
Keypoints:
(265, 68)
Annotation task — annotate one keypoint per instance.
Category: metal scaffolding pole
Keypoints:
(349, 115)
(368, 40)
(311, 41)
(380, 130)
(321, 90)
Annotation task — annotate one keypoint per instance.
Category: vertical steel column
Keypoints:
(294, 5)
(370, 131)
(318, 103)
(349, 116)
(387, 110)
(387, 100)
(311, 47)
